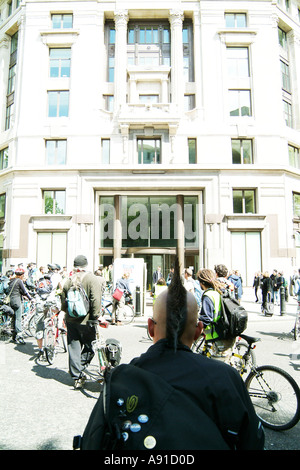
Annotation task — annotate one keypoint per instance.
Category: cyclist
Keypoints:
(123, 285)
(211, 309)
(17, 291)
(80, 333)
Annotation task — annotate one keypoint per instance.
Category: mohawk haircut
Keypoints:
(176, 308)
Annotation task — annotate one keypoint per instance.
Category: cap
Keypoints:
(80, 261)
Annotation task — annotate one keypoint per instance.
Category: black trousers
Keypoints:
(80, 349)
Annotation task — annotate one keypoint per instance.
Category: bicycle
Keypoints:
(55, 331)
(275, 395)
(7, 324)
(6, 327)
(296, 330)
(108, 353)
(124, 311)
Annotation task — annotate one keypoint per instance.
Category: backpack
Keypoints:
(77, 300)
(233, 319)
(4, 281)
(138, 410)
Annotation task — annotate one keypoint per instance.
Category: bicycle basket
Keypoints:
(113, 351)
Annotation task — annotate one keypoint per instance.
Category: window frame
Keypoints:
(3, 158)
(239, 92)
(105, 151)
(243, 199)
(191, 150)
(58, 105)
(238, 62)
(157, 51)
(60, 61)
(2, 205)
(235, 16)
(56, 152)
(241, 147)
(294, 160)
(54, 199)
(296, 214)
(141, 150)
(62, 16)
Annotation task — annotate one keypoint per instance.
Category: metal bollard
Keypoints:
(137, 301)
(282, 300)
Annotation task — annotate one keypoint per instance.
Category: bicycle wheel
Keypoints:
(297, 326)
(49, 343)
(62, 340)
(31, 328)
(237, 360)
(6, 330)
(275, 396)
(126, 314)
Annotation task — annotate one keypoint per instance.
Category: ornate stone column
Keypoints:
(177, 81)
(117, 228)
(180, 230)
(121, 20)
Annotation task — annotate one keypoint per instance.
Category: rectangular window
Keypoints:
(11, 79)
(296, 204)
(294, 157)
(244, 201)
(241, 151)
(2, 205)
(62, 21)
(105, 147)
(148, 44)
(238, 62)
(58, 103)
(187, 41)
(285, 76)
(56, 152)
(9, 112)
(287, 112)
(192, 144)
(149, 151)
(4, 158)
(60, 62)
(110, 35)
(240, 103)
(54, 201)
(189, 102)
(235, 20)
(282, 38)
(109, 102)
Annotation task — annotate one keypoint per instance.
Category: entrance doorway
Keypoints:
(165, 261)
(246, 254)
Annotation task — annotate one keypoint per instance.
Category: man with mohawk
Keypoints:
(210, 409)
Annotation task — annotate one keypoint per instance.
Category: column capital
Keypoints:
(176, 17)
(121, 17)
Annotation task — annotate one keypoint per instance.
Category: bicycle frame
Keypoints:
(209, 349)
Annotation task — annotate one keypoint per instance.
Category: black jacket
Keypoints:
(17, 290)
(215, 386)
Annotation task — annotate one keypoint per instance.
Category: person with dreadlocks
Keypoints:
(211, 310)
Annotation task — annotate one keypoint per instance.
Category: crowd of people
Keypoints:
(268, 287)
(185, 306)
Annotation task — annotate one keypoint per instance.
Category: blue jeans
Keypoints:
(18, 310)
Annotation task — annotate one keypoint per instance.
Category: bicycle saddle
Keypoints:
(250, 339)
